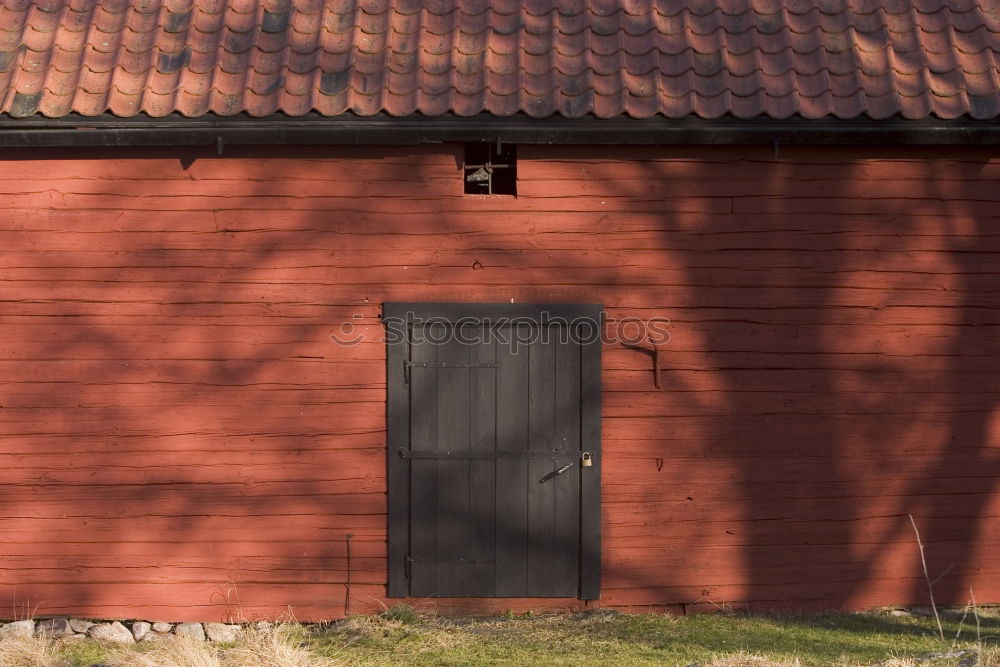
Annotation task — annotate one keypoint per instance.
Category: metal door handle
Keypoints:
(556, 473)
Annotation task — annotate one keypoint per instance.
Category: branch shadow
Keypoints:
(181, 437)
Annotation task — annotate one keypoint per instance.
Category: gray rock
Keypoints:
(945, 655)
(988, 612)
(18, 629)
(111, 632)
(140, 628)
(193, 630)
(53, 628)
(222, 632)
(160, 626)
(928, 612)
(968, 661)
(154, 636)
(900, 613)
(73, 638)
(81, 625)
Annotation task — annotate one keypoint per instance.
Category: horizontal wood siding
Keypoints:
(181, 439)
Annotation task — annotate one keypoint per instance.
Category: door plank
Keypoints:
(512, 474)
(590, 486)
(482, 473)
(397, 469)
(424, 472)
(567, 487)
(541, 496)
(455, 572)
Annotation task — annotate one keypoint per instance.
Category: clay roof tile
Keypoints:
(815, 58)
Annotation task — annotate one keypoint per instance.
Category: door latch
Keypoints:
(556, 473)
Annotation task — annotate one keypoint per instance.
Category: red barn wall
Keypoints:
(180, 439)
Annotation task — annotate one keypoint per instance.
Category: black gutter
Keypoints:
(221, 131)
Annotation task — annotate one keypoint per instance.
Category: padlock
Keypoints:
(586, 460)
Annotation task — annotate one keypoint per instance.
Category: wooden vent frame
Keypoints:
(490, 168)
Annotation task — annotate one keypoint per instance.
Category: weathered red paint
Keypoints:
(180, 438)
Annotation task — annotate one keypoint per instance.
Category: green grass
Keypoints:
(400, 636)
(625, 639)
(82, 653)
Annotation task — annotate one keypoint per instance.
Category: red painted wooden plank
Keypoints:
(707, 263)
(746, 169)
(812, 156)
(241, 190)
(655, 187)
(393, 285)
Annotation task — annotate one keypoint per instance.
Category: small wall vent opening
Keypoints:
(490, 169)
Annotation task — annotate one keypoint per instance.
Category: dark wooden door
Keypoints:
(492, 410)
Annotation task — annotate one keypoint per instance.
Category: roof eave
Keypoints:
(382, 129)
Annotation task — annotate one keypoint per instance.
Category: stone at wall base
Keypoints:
(222, 632)
(192, 630)
(111, 632)
(54, 628)
(18, 629)
(140, 628)
(81, 625)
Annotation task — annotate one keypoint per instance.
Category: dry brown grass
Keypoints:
(281, 647)
(989, 657)
(747, 660)
(172, 652)
(29, 652)
(985, 658)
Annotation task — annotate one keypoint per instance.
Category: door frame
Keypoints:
(396, 320)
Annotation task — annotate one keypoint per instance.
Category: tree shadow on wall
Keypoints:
(839, 324)
(179, 431)
(180, 434)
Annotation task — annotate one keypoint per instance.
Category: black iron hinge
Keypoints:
(407, 365)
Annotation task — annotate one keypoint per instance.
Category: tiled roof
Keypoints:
(776, 58)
